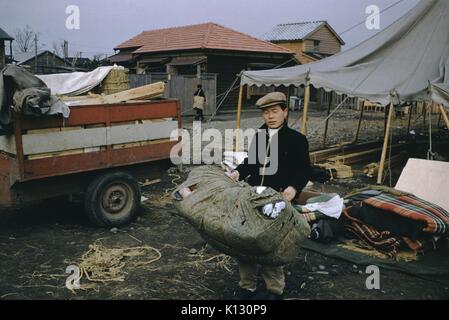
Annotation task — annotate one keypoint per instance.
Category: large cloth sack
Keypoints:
(198, 102)
(227, 215)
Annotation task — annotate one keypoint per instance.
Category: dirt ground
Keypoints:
(39, 240)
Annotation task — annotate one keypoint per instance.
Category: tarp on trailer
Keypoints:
(76, 83)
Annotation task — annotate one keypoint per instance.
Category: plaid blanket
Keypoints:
(383, 241)
(411, 207)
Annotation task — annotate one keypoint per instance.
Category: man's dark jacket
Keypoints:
(293, 162)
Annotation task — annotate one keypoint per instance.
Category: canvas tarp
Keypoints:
(396, 65)
(227, 215)
(76, 83)
(23, 92)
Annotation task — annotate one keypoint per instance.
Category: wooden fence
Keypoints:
(182, 87)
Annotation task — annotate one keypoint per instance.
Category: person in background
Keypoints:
(199, 101)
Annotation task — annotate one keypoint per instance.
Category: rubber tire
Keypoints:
(93, 202)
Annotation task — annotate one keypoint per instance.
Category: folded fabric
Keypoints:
(436, 219)
(385, 220)
(382, 241)
(363, 195)
(330, 207)
(326, 230)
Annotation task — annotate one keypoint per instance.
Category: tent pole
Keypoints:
(239, 111)
(289, 94)
(385, 146)
(360, 122)
(444, 114)
(385, 120)
(331, 101)
(306, 106)
(424, 112)
(410, 111)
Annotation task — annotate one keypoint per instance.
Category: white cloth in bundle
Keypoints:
(331, 208)
(273, 211)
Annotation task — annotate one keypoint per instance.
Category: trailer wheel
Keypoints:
(113, 199)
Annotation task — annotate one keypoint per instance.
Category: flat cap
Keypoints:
(271, 99)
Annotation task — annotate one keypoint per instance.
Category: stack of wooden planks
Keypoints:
(148, 92)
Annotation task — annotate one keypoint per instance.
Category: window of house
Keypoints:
(316, 45)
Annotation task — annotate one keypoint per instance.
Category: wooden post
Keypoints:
(385, 146)
(331, 95)
(19, 145)
(410, 111)
(444, 114)
(385, 119)
(306, 106)
(289, 94)
(239, 111)
(360, 122)
(424, 112)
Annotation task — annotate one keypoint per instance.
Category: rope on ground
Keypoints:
(102, 264)
(222, 261)
(176, 177)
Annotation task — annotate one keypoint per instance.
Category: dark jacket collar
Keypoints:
(282, 129)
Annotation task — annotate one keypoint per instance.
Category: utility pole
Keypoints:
(66, 49)
(35, 53)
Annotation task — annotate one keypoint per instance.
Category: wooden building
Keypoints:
(45, 62)
(4, 57)
(201, 49)
(311, 41)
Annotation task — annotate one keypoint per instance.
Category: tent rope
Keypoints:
(231, 87)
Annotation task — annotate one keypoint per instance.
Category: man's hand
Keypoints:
(234, 175)
(289, 194)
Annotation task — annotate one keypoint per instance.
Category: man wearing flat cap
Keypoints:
(292, 175)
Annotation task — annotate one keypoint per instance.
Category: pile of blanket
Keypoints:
(389, 220)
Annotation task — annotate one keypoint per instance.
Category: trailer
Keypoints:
(101, 151)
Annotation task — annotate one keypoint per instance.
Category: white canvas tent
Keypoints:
(407, 61)
(395, 65)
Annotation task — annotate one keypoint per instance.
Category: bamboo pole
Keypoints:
(385, 146)
(239, 111)
(306, 107)
(444, 114)
(289, 94)
(385, 119)
(360, 122)
(410, 111)
(424, 113)
(331, 98)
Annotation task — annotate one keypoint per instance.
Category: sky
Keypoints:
(105, 24)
